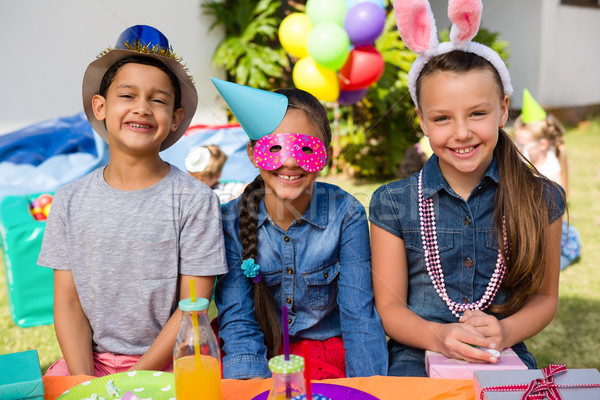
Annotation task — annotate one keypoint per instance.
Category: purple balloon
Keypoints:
(364, 23)
(348, 97)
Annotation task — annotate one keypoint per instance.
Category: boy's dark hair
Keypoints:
(110, 74)
(264, 305)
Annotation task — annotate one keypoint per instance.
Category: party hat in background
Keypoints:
(532, 111)
(258, 111)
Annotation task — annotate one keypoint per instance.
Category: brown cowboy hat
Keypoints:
(144, 41)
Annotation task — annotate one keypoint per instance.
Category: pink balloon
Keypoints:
(363, 68)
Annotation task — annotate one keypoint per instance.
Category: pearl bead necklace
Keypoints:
(434, 268)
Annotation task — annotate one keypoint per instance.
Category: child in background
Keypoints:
(540, 137)
(297, 243)
(465, 252)
(126, 240)
(205, 163)
(413, 160)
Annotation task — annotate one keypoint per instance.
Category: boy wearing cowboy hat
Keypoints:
(126, 240)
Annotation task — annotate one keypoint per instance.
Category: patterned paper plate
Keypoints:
(151, 385)
(334, 392)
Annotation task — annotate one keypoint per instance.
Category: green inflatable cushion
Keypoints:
(30, 287)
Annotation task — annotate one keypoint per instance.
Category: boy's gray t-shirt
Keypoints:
(126, 249)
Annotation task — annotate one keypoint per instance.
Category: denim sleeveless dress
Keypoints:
(468, 246)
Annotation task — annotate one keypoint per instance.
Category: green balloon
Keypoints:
(320, 11)
(329, 45)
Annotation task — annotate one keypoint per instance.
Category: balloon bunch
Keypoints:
(333, 42)
(40, 207)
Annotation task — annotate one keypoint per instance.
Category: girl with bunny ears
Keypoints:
(465, 252)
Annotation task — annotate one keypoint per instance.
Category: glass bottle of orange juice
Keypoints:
(196, 355)
(288, 377)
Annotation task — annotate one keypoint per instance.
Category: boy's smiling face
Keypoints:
(138, 109)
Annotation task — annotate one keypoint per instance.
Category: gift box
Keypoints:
(440, 366)
(572, 384)
(21, 376)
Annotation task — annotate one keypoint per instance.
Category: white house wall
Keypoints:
(570, 73)
(48, 44)
(554, 49)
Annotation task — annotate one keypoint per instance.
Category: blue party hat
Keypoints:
(143, 35)
(258, 111)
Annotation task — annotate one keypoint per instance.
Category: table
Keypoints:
(383, 387)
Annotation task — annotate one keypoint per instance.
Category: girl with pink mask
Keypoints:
(294, 242)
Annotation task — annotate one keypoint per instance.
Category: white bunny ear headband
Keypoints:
(417, 28)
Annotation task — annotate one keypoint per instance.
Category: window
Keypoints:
(582, 3)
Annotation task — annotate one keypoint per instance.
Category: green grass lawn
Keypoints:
(573, 338)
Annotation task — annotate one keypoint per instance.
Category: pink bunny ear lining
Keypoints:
(468, 24)
(415, 22)
(466, 17)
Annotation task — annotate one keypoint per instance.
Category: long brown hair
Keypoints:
(519, 198)
(264, 304)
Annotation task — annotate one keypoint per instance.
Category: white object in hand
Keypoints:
(493, 352)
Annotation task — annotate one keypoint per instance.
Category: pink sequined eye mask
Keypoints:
(272, 150)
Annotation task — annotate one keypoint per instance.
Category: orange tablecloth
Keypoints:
(383, 387)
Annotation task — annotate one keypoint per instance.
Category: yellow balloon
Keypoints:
(293, 34)
(316, 80)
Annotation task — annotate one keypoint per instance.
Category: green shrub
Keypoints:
(250, 51)
(374, 133)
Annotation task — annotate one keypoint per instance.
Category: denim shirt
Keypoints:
(466, 234)
(320, 269)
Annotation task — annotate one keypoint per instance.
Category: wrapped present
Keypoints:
(554, 382)
(21, 376)
(440, 366)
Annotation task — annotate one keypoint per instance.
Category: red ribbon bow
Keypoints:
(541, 388)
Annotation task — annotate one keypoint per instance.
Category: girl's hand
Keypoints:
(488, 326)
(457, 340)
